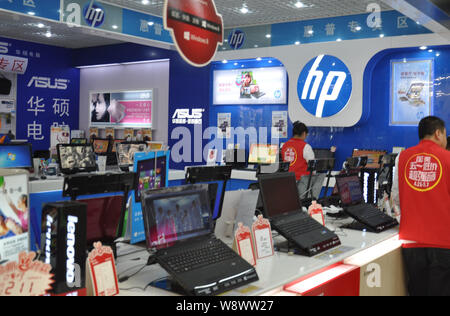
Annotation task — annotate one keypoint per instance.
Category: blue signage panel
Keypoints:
(48, 9)
(324, 86)
(145, 25)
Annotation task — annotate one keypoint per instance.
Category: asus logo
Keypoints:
(4, 48)
(46, 83)
(187, 114)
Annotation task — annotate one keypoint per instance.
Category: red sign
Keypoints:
(196, 28)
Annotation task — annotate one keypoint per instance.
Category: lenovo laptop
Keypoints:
(179, 232)
(369, 216)
(282, 206)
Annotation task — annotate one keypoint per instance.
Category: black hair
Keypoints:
(448, 142)
(429, 125)
(299, 128)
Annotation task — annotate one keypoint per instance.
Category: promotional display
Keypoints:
(243, 244)
(63, 245)
(25, 277)
(250, 86)
(279, 124)
(102, 279)
(121, 109)
(315, 211)
(223, 125)
(196, 29)
(412, 91)
(14, 214)
(262, 236)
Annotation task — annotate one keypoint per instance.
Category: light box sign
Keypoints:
(411, 91)
(48, 9)
(121, 108)
(250, 86)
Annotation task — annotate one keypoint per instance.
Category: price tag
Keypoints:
(244, 244)
(102, 271)
(28, 277)
(262, 235)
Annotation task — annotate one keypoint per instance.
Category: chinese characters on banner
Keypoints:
(13, 64)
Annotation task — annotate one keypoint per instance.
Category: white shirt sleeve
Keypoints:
(395, 194)
(308, 153)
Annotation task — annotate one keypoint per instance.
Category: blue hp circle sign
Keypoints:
(236, 39)
(324, 86)
(94, 14)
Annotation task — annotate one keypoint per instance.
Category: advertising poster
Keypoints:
(250, 86)
(279, 124)
(223, 125)
(412, 91)
(121, 109)
(14, 216)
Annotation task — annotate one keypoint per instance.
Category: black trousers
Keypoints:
(427, 271)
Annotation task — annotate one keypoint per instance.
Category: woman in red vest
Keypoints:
(422, 188)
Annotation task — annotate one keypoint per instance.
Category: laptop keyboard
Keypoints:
(366, 212)
(299, 227)
(213, 252)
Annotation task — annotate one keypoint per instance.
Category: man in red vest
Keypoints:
(298, 152)
(422, 182)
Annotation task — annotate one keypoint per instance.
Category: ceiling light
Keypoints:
(430, 50)
(423, 47)
(48, 34)
(244, 9)
(259, 59)
(115, 27)
(268, 36)
(40, 25)
(145, 2)
(31, 13)
(224, 61)
(299, 4)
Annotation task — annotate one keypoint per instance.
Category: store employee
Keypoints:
(422, 188)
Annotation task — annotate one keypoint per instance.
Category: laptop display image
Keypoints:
(179, 232)
(286, 215)
(76, 158)
(16, 156)
(125, 152)
(371, 218)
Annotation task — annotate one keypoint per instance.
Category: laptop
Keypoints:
(368, 216)
(179, 233)
(282, 206)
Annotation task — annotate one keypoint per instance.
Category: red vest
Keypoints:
(424, 188)
(292, 152)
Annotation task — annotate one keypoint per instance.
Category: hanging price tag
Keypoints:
(102, 271)
(26, 277)
(243, 244)
(262, 235)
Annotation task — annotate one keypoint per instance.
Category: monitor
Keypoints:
(125, 152)
(101, 145)
(75, 158)
(81, 141)
(263, 154)
(150, 175)
(350, 191)
(373, 161)
(323, 153)
(16, 156)
(279, 193)
(176, 214)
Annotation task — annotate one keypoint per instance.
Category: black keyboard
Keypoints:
(214, 251)
(366, 211)
(299, 227)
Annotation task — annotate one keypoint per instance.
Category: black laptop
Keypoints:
(179, 232)
(283, 207)
(368, 216)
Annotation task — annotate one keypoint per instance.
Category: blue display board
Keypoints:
(48, 9)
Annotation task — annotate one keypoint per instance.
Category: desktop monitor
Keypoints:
(101, 145)
(16, 156)
(125, 152)
(323, 153)
(373, 156)
(150, 175)
(175, 214)
(279, 193)
(263, 154)
(75, 158)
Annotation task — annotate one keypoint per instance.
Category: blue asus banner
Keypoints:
(48, 92)
(48, 9)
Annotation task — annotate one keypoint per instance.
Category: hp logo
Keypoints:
(236, 39)
(94, 14)
(324, 86)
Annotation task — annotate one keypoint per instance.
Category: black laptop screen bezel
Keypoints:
(340, 193)
(76, 169)
(30, 150)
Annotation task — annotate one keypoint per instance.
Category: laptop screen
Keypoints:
(150, 176)
(263, 154)
(279, 193)
(16, 156)
(373, 161)
(101, 146)
(76, 157)
(171, 216)
(350, 189)
(126, 151)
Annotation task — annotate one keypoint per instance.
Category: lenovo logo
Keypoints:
(48, 83)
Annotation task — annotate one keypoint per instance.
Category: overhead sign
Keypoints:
(196, 27)
(48, 9)
(13, 64)
(324, 86)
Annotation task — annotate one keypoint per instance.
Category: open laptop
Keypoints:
(369, 216)
(283, 207)
(179, 232)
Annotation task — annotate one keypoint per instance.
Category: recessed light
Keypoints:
(259, 59)
(244, 9)
(268, 36)
(31, 13)
(115, 27)
(224, 61)
(145, 2)
(299, 4)
(48, 34)
(40, 25)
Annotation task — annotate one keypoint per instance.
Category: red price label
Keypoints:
(196, 28)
